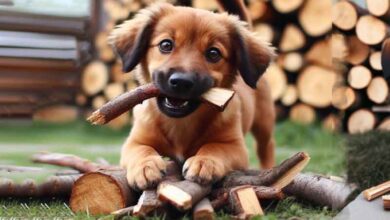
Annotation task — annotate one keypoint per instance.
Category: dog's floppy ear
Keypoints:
(252, 55)
(131, 39)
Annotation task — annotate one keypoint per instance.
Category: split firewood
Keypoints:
(345, 15)
(90, 192)
(375, 60)
(291, 62)
(320, 190)
(52, 186)
(345, 97)
(377, 191)
(379, 8)
(315, 17)
(277, 80)
(302, 114)
(183, 195)
(287, 6)
(292, 38)
(94, 78)
(320, 53)
(244, 202)
(290, 96)
(378, 90)
(385, 124)
(203, 210)
(69, 160)
(359, 77)
(386, 202)
(277, 177)
(357, 50)
(217, 96)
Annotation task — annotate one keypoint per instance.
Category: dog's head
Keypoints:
(186, 51)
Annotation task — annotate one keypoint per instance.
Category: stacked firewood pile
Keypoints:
(101, 188)
(362, 53)
(43, 46)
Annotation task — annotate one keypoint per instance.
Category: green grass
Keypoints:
(19, 141)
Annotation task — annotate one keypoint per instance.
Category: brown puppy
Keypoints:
(187, 51)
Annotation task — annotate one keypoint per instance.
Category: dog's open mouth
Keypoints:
(175, 107)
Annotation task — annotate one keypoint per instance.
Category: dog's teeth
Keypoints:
(168, 102)
(184, 104)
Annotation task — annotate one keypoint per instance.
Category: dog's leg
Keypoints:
(214, 160)
(145, 167)
(263, 126)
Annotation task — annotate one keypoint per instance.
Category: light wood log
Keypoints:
(291, 62)
(320, 53)
(56, 114)
(331, 123)
(344, 97)
(98, 102)
(315, 86)
(315, 17)
(379, 8)
(377, 191)
(206, 5)
(359, 77)
(94, 78)
(339, 46)
(345, 15)
(290, 95)
(277, 80)
(287, 6)
(371, 30)
(292, 38)
(244, 202)
(357, 50)
(104, 184)
(258, 10)
(386, 202)
(361, 121)
(375, 60)
(303, 114)
(203, 210)
(264, 31)
(385, 125)
(378, 90)
(113, 90)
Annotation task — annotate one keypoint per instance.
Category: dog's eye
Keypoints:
(213, 55)
(166, 46)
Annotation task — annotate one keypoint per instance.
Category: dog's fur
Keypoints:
(211, 143)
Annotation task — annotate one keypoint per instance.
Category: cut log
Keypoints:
(291, 62)
(315, 17)
(290, 96)
(344, 97)
(203, 210)
(379, 8)
(357, 51)
(321, 54)
(359, 77)
(287, 6)
(277, 80)
(331, 123)
(98, 102)
(345, 15)
(371, 30)
(183, 195)
(128, 100)
(69, 160)
(292, 38)
(386, 202)
(339, 46)
(378, 90)
(315, 86)
(385, 59)
(113, 90)
(302, 114)
(377, 191)
(206, 5)
(385, 125)
(56, 114)
(361, 121)
(277, 177)
(259, 10)
(264, 31)
(320, 190)
(94, 78)
(244, 202)
(375, 60)
(90, 192)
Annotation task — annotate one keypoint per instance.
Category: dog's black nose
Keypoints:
(181, 82)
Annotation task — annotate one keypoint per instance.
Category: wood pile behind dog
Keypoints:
(361, 49)
(42, 47)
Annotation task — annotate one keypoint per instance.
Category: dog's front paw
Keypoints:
(203, 169)
(146, 173)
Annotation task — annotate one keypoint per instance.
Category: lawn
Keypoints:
(19, 141)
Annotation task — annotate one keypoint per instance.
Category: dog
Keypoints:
(185, 52)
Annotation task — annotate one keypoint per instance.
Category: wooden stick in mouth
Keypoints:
(218, 97)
